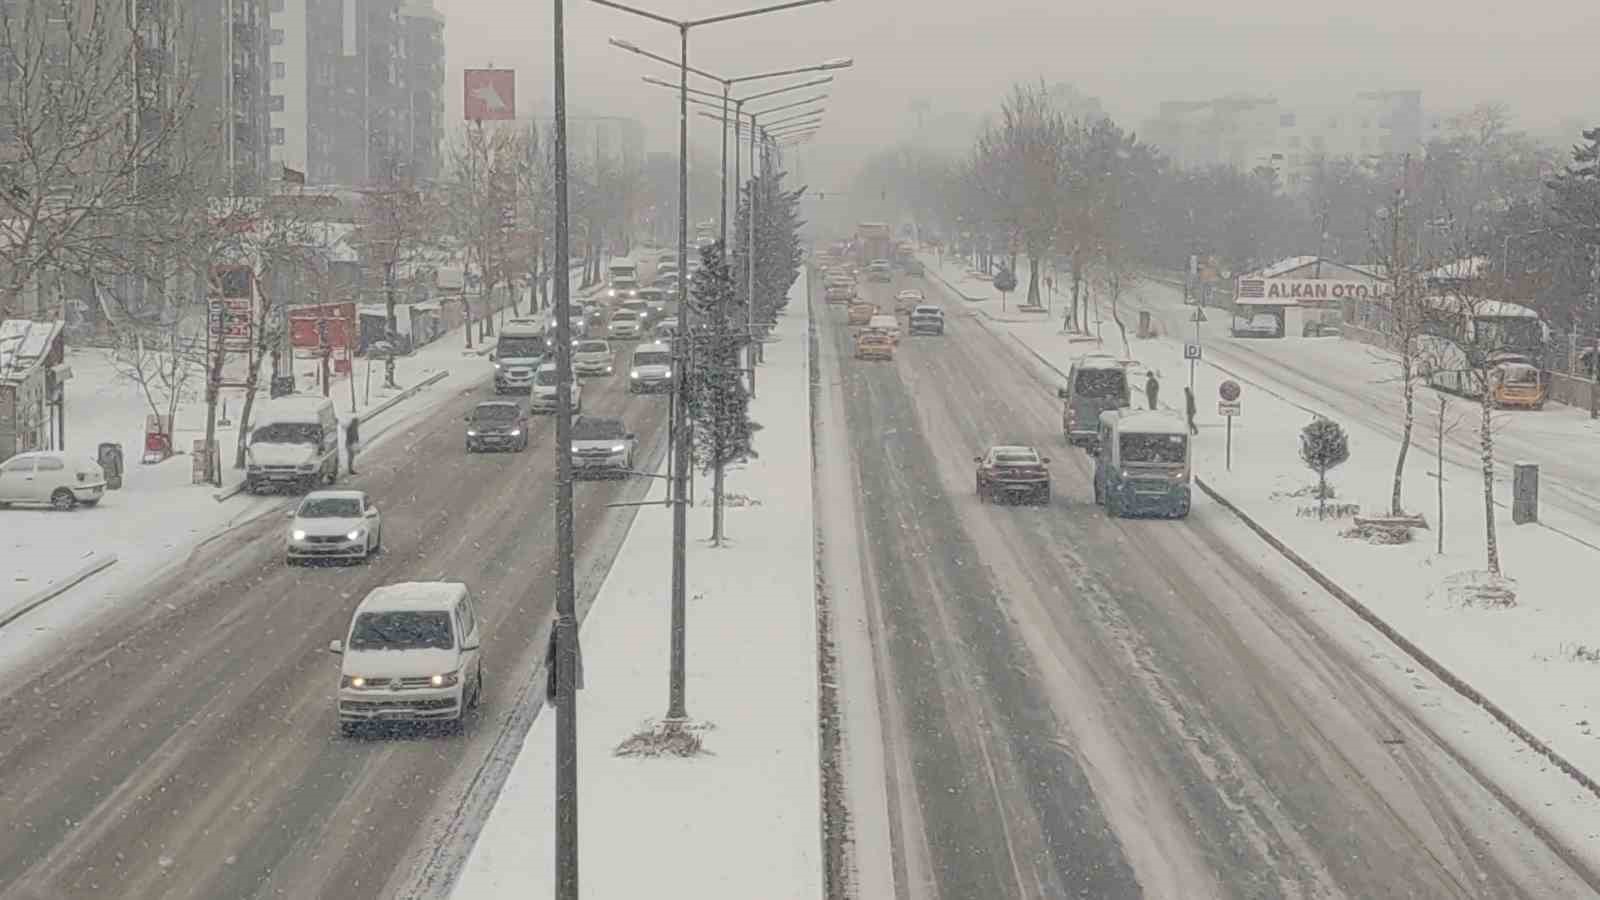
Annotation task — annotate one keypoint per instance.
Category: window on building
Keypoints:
(275, 103)
(277, 136)
(276, 37)
(279, 70)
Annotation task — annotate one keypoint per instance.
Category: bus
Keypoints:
(1470, 346)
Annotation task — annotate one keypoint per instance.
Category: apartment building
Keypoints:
(357, 88)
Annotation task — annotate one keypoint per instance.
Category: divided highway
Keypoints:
(1076, 706)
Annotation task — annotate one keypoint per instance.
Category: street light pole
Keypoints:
(566, 636)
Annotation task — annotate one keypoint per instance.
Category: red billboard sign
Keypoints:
(490, 95)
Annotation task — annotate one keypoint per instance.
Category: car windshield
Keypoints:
(287, 433)
(519, 347)
(585, 429)
(624, 315)
(1016, 458)
(330, 508)
(495, 412)
(593, 347)
(1101, 384)
(402, 630)
(651, 358)
(1153, 448)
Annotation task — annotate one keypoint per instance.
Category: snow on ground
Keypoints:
(160, 516)
(741, 821)
(1534, 660)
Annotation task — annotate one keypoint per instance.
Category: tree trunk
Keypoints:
(1491, 544)
(1077, 293)
(390, 326)
(253, 380)
(213, 394)
(488, 309)
(1033, 281)
(1408, 390)
(1439, 471)
(466, 312)
(1322, 493)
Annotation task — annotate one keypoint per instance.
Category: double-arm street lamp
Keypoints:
(676, 708)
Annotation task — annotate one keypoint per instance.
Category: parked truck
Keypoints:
(874, 240)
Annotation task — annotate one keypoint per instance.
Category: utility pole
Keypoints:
(676, 707)
(566, 634)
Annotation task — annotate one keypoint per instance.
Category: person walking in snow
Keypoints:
(352, 440)
(1188, 402)
(1152, 388)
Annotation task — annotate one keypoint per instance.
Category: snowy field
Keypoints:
(742, 820)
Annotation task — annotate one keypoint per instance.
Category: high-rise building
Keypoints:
(230, 85)
(357, 88)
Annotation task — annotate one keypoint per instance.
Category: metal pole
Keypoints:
(566, 593)
(676, 709)
(722, 215)
(750, 259)
(1230, 444)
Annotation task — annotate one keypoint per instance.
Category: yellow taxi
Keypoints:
(874, 345)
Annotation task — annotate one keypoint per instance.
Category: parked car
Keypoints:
(1011, 472)
(497, 425)
(593, 357)
(334, 525)
(293, 442)
(412, 654)
(545, 385)
(49, 477)
(603, 445)
(1260, 325)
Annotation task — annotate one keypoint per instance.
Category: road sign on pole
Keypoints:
(1228, 409)
(1191, 350)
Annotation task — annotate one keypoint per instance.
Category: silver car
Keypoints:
(625, 324)
(334, 525)
(593, 358)
(602, 445)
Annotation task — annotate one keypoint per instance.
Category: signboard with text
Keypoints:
(1308, 291)
(231, 317)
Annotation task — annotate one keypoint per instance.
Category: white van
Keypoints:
(294, 442)
(411, 654)
(518, 352)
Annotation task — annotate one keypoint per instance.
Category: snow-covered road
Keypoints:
(1075, 706)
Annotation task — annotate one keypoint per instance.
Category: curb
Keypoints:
(934, 271)
(1427, 662)
(95, 566)
(1435, 667)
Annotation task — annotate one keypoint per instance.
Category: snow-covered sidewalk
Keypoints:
(742, 820)
(1534, 660)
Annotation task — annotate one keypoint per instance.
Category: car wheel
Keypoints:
(377, 545)
(63, 499)
(477, 690)
(1044, 496)
(982, 497)
(1113, 505)
(350, 729)
(471, 448)
(291, 561)
(89, 502)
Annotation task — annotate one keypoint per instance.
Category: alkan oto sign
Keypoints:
(1309, 290)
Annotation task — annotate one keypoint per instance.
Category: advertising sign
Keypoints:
(490, 95)
(231, 319)
(1308, 291)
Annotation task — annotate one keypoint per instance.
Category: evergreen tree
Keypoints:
(1324, 446)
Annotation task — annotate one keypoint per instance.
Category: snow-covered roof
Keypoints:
(1149, 422)
(291, 410)
(24, 344)
(1293, 265)
(1100, 361)
(413, 595)
(335, 495)
(1483, 308)
(1014, 450)
(1466, 267)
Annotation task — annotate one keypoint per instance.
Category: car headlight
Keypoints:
(633, 373)
(471, 433)
(446, 679)
(298, 534)
(352, 681)
(355, 535)
(497, 365)
(667, 374)
(574, 448)
(516, 432)
(618, 448)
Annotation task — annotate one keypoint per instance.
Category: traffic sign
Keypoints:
(1191, 350)
(1228, 408)
(1228, 390)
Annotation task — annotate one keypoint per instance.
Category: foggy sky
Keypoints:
(1537, 55)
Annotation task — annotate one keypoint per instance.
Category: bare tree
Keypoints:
(481, 202)
(165, 359)
(1022, 165)
(1397, 254)
(397, 235)
(98, 124)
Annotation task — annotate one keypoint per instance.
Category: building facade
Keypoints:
(357, 88)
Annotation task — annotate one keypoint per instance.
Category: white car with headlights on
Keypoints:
(411, 655)
(545, 385)
(650, 368)
(334, 525)
(602, 445)
(593, 358)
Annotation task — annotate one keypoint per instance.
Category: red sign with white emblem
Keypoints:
(490, 95)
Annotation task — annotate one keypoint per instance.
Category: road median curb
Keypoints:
(95, 566)
(1422, 658)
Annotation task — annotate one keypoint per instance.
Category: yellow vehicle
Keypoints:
(874, 345)
(862, 313)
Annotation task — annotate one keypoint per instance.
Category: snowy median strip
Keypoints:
(741, 819)
(95, 566)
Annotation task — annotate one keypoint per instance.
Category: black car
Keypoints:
(497, 425)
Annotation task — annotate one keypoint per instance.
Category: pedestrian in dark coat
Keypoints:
(1152, 388)
(352, 440)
